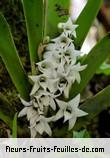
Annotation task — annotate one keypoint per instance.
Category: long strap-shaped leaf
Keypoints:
(33, 10)
(94, 106)
(14, 128)
(11, 60)
(6, 112)
(93, 60)
(85, 20)
(57, 11)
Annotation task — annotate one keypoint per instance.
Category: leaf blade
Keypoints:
(12, 61)
(14, 128)
(84, 25)
(94, 106)
(33, 11)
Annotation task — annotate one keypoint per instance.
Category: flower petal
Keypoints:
(40, 128)
(23, 112)
(67, 116)
(33, 132)
(52, 104)
(80, 113)
(62, 105)
(47, 129)
(31, 113)
(34, 89)
(77, 76)
(74, 102)
(34, 78)
(58, 115)
(67, 90)
(25, 103)
(33, 120)
(72, 122)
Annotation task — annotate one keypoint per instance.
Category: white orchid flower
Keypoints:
(70, 111)
(42, 125)
(45, 65)
(66, 79)
(75, 111)
(59, 43)
(75, 71)
(39, 81)
(68, 27)
(71, 54)
(62, 41)
(29, 111)
(45, 100)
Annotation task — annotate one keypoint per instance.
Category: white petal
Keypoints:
(34, 89)
(80, 113)
(47, 54)
(67, 116)
(47, 129)
(59, 115)
(75, 26)
(33, 132)
(72, 122)
(73, 60)
(31, 113)
(77, 76)
(69, 22)
(49, 119)
(25, 103)
(45, 65)
(41, 106)
(66, 90)
(62, 105)
(35, 104)
(74, 102)
(44, 83)
(33, 120)
(82, 67)
(52, 85)
(44, 100)
(74, 34)
(51, 47)
(52, 104)
(23, 112)
(34, 78)
(40, 128)
(77, 52)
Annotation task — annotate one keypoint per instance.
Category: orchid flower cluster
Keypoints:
(56, 73)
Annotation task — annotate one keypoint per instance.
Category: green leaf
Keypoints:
(12, 61)
(6, 111)
(81, 134)
(85, 20)
(104, 69)
(93, 107)
(33, 11)
(93, 60)
(56, 11)
(14, 128)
